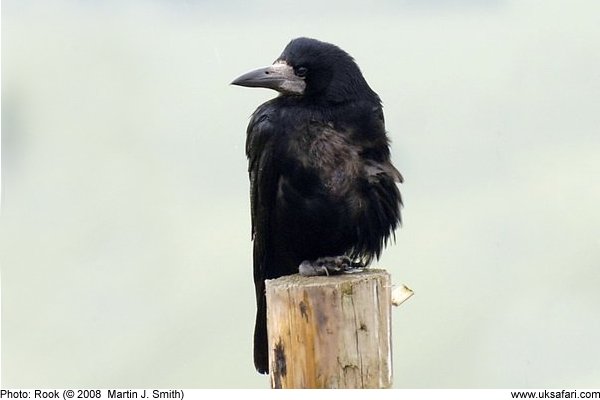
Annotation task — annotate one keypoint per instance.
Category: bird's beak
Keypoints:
(279, 76)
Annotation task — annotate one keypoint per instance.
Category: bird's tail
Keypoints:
(261, 347)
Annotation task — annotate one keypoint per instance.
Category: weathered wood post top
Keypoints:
(330, 331)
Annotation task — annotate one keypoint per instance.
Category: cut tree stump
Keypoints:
(330, 331)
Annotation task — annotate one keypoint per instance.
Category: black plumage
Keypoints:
(322, 186)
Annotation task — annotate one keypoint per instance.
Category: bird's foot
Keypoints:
(330, 266)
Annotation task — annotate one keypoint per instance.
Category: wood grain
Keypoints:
(330, 331)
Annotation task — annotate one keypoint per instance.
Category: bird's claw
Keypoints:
(329, 266)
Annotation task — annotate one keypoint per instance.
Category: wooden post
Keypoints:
(330, 331)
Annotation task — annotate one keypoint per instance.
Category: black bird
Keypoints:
(323, 189)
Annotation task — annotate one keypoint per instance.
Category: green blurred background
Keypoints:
(125, 242)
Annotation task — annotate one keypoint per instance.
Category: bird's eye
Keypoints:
(301, 71)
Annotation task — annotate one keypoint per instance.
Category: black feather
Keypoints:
(321, 179)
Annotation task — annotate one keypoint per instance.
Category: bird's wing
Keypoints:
(381, 198)
(264, 177)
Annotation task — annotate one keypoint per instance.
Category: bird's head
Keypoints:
(311, 68)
